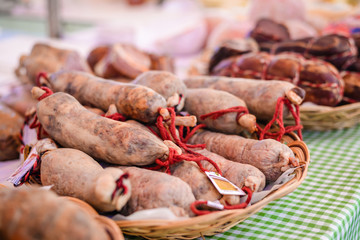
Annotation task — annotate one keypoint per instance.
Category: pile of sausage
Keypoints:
(326, 67)
(83, 150)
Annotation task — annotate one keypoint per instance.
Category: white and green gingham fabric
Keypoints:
(325, 206)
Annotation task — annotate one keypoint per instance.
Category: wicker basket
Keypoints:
(326, 118)
(221, 221)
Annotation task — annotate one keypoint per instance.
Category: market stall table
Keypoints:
(325, 206)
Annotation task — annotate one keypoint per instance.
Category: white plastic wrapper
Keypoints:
(156, 213)
(284, 178)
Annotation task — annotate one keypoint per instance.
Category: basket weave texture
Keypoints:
(221, 221)
(324, 118)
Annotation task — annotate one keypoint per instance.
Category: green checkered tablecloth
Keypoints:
(325, 206)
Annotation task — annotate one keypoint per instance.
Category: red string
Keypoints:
(163, 131)
(173, 156)
(39, 76)
(180, 97)
(36, 124)
(47, 93)
(243, 205)
(192, 132)
(116, 117)
(278, 118)
(216, 114)
(120, 185)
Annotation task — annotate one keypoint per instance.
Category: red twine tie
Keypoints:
(47, 93)
(195, 204)
(116, 117)
(190, 133)
(173, 156)
(47, 90)
(278, 118)
(120, 185)
(36, 124)
(39, 76)
(216, 114)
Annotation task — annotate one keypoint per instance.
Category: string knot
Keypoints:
(39, 76)
(120, 185)
(278, 118)
(47, 93)
(116, 117)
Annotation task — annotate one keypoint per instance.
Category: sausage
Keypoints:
(73, 173)
(201, 101)
(267, 32)
(166, 84)
(96, 55)
(134, 101)
(10, 127)
(320, 79)
(128, 60)
(336, 49)
(352, 86)
(271, 157)
(33, 213)
(45, 58)
(260, 96)
(19, 98)
(232, 47)
(162, 62)
(151, 189)
(73, 126)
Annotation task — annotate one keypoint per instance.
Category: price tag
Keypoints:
(224, 186)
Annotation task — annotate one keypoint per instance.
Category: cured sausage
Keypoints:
(73, 173)
(260, 96)
(33, 213)
(134, 101)
(269, 156)
(203, 101)
(10, 127)
(166, 84)
(73, 126)
(151, 189)
(45, 58)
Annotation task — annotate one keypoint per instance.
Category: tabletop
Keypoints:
(325, 206)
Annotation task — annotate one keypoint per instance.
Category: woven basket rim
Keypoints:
(153, 228)
(322, 118)
(321, 109)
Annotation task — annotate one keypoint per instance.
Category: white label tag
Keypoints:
(24, 167)
(224, 186)
(216, 205)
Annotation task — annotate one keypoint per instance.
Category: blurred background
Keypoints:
(179, 28)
